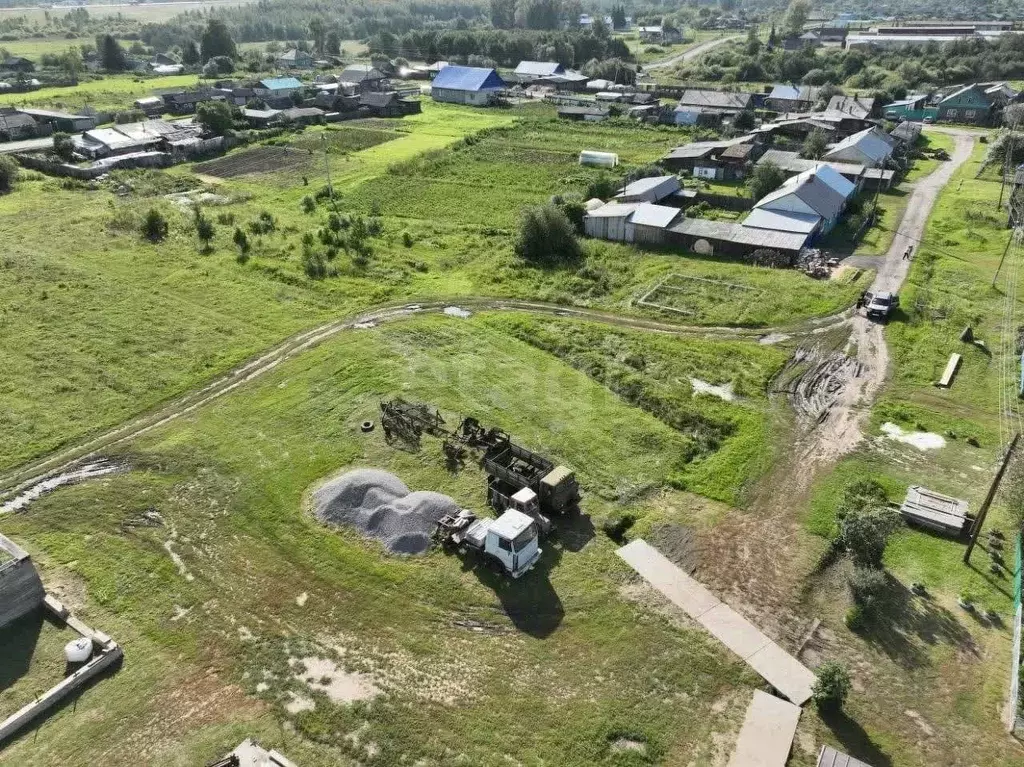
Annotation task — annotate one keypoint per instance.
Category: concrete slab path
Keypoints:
(767, 734)
(780, 669)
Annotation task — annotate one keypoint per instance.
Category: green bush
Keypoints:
(308, 204)
(9, 171)
(865, 533)
(154, 226)
(832, 686)
(869, 588)
(546, 236)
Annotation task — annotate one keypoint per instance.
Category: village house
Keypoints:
(185, 103)
(651, 189)
(792, 164)
(660, 35)
(910, 108)
(294, 59)
(366, 77)
(969, 104)
(476, 86)
(62, 121)
(871, 148)
(277, 86)
(18, 126)
(792, 98)
(388, 104)
(17, 64)
(810, 203)
(856, 106)
(528, 71)
(702, 153)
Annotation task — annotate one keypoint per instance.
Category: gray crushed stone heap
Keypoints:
(379, 505)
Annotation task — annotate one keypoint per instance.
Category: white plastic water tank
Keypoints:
(599, 159)
(78, 650)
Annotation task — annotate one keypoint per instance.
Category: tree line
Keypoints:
(889, 72)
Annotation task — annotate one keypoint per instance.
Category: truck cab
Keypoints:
(512, 540)
(559, 491)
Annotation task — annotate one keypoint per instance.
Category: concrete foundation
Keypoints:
(21, 590)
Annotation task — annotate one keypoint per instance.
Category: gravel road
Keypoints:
(694, 52)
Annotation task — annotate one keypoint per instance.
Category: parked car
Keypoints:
(880, 305)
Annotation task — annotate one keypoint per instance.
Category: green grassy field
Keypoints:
(110, 93)
(98, 328)
(143, 12)
(261, 582)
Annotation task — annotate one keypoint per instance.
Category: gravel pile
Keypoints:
(380, 506)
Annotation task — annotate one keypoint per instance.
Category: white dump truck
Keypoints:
(510, 542)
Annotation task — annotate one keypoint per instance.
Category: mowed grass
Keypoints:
(114, 93)
(959, 663)
(261, 582)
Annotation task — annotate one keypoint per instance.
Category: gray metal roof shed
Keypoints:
(829, 757)
(737, 233)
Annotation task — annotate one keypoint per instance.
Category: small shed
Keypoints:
(935, 511)
(651, 189)
(829, 757)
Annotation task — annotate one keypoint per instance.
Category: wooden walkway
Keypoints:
(780, 669)
(767, 734)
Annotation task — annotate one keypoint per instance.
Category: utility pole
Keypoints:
(327, 168)
(1006, 250)
(983, 511)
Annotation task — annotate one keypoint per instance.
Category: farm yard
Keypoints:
(247, 376)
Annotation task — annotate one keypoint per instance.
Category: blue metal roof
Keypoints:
(467, 78)
(278, 83)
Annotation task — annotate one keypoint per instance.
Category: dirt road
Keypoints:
(14, 480)
(753, 559)
(840, 431)
(694, 52)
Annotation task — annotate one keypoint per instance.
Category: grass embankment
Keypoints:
(101, 324)
(463, 659)
(926, 667)
(725, 441)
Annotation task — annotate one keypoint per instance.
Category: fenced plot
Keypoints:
(344, 139)
(692, 296)
(264, 159)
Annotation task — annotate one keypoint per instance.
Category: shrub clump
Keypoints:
(546, 236)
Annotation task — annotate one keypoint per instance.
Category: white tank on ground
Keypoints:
(78, 650)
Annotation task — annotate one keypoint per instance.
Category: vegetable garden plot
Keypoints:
(264, 159)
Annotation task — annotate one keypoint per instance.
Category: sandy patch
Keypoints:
(723, 391)
(298, 704)
(922, 440)
(339, 685)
